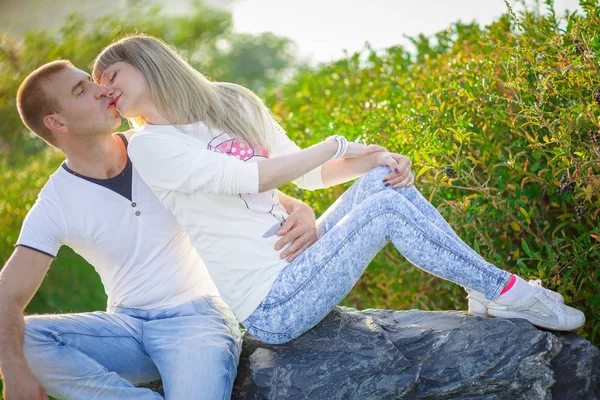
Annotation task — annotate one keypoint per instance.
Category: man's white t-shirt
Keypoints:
(143, 256)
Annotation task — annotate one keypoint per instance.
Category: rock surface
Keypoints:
(384, 354)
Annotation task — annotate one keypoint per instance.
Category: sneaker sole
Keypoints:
(535, 321)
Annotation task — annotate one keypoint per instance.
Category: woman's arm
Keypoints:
(343, 170)
(278, 171)
(320, 173)
(182, 163)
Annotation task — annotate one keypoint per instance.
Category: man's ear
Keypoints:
(55, 123)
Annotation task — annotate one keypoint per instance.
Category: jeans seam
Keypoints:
(225, 397)
(56, 335)
(501, 285)
(343, 243)
(269, 332)
(440, 245)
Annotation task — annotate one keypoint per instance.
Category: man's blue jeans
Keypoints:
(194, 347)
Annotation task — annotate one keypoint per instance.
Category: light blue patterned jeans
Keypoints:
(351, 232)
(194, 347)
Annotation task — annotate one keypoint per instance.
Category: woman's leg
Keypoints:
(315, 282)
(372, 183)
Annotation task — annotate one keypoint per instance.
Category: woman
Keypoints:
(214, 156)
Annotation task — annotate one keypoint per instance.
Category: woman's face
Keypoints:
(128, 89)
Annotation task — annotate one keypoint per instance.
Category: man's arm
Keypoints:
(20, 279)
(299, 228)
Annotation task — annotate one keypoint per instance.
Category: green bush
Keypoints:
(501, 125)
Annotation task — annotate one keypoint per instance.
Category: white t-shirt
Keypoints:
(143, 257)
(209, 181)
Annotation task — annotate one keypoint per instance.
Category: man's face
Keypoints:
(85, 108)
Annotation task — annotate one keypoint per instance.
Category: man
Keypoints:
(164, 316)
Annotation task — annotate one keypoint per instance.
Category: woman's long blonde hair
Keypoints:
(182, 95)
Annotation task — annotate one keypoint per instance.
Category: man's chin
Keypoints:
(125, 114)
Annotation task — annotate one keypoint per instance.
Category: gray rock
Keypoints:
(384, 354)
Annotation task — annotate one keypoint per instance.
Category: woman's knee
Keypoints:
(390, 201)
(372, 181)
(379, 172)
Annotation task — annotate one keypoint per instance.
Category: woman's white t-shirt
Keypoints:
(209, 181)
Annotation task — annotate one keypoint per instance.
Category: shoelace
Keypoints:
(538, 283)
(551, 302)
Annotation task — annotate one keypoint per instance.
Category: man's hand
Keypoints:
(401, 173)
(21, 384)
(299, 229)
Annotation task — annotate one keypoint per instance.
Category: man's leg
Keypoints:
(196, 347)
(88, 356)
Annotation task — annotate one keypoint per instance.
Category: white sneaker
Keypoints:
(539, 308)
(538, 283)
(479, 309)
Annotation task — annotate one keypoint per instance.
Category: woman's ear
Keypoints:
(55, 123)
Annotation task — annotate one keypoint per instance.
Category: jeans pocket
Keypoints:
(214, 304)
(211, 305)
(216, 307)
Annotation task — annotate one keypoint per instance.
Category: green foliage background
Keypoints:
(496, 119)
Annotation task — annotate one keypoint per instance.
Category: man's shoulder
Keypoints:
(59, 185)
(49, 200)
(54, 180)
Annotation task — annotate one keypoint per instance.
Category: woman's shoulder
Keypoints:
(157, 134)
(144, 139)
(163, 138)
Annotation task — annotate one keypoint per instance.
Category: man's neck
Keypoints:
(100, 158)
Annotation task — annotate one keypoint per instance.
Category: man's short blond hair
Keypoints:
(34, 103)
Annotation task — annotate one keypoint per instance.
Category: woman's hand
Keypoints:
(399, 164)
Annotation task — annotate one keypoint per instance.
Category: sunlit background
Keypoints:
(447, 99)
(322, 29)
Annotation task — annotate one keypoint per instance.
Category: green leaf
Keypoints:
(526, 247)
